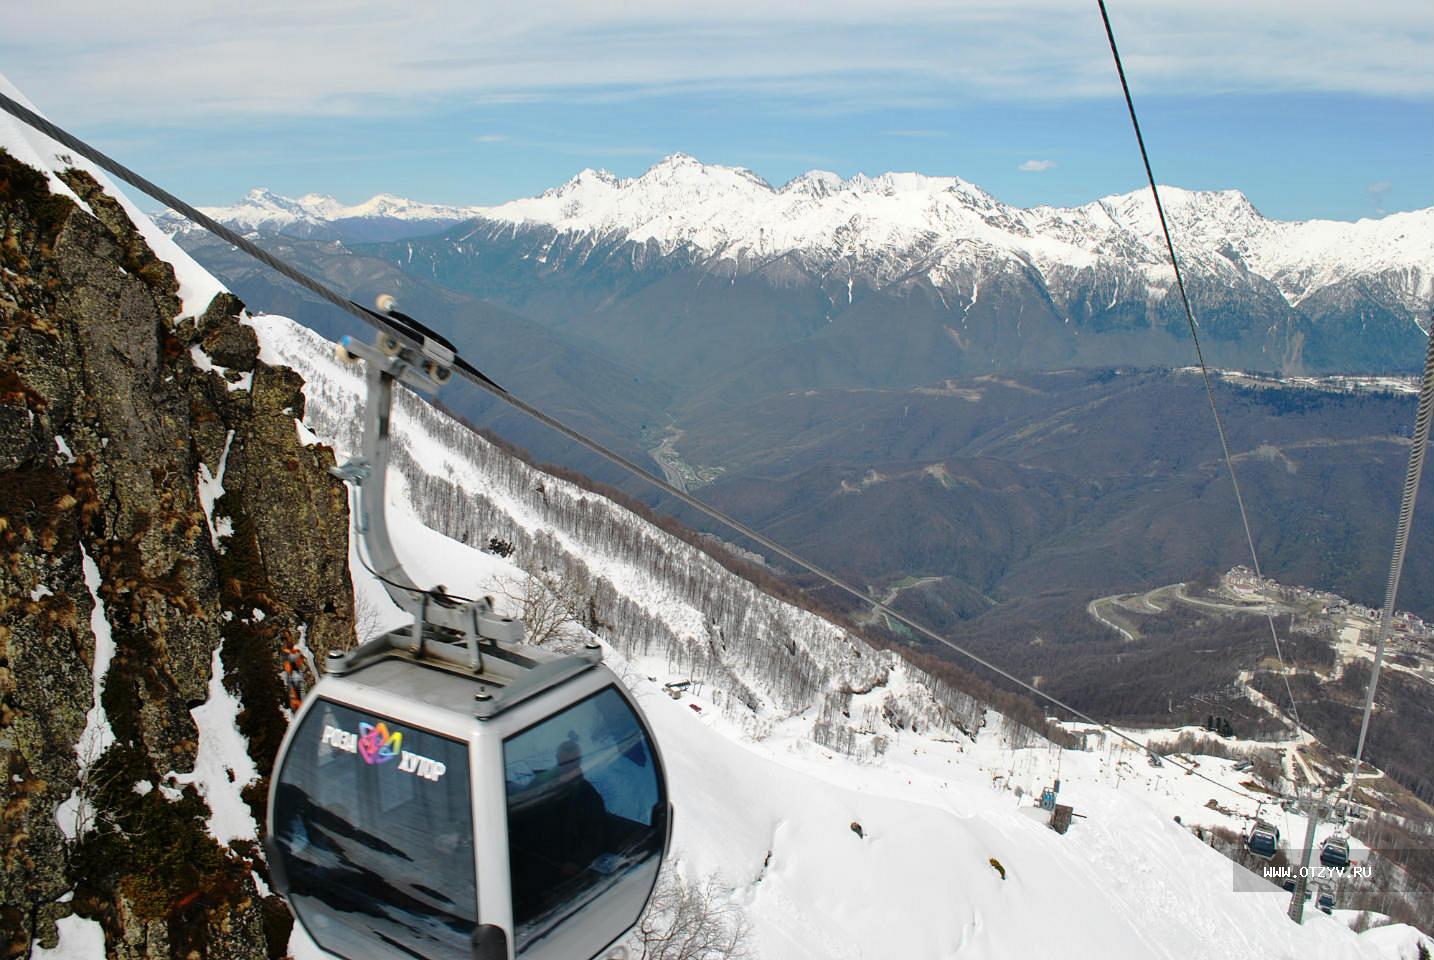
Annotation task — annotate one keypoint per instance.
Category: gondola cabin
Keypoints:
(422, 808)
(1335, 852)
(1263, 840)
(1326, 900)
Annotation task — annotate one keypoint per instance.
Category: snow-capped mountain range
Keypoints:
(895, 225)
(967, 282)
(891, 225)
(315, 216)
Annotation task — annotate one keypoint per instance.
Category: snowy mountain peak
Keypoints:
(679, 168)
(815, 183)
(902, 224)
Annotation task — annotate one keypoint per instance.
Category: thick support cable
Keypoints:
(407, 327)
(480, 380)
(1401, 540)
(1199, 354)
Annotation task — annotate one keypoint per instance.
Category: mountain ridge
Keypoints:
(886, 226)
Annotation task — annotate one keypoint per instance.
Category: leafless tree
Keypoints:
(550, 605)
(368, 618)
(82, 814)
(690, 921)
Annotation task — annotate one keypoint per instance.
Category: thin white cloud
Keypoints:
(1036, 166)
(1377, 192)
(92, 61)
(491, 138)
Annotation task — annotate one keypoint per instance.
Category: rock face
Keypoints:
(157, 505)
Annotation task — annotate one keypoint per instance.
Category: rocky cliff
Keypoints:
(164, 533)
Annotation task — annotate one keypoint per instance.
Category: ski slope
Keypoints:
(771, 817)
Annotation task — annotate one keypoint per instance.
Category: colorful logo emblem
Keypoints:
(377, 745)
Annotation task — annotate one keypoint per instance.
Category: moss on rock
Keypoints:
(91, 352)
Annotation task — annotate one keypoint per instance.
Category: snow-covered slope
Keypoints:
(785, 752)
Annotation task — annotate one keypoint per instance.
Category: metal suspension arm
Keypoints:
(426, 367)
(387, 363)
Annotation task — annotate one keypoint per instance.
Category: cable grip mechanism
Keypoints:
(423, 364)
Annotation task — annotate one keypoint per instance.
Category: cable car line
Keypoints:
(414, 335)
(1199, 352)
(1335, 850)
(1401, 541)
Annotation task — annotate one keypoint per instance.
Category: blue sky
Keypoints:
(1326, 111)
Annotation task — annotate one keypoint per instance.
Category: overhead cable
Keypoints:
(407, 330)
(1199, 354)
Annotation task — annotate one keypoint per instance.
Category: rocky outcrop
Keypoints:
(157, 504)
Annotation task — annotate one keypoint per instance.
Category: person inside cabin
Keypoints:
(581, 815)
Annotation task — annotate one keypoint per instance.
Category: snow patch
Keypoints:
(80, 939)
(307, 437)
(211, 489)
(64, 449)
(222, 767)
(98, 735)
(232, 381)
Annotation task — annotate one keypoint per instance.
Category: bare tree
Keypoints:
(550, 605)
(690, 921)
(81, 814)
(368, 619)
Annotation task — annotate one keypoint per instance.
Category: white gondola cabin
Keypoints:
(1263, 840)
(423, 811)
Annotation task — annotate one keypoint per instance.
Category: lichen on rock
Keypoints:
(112, 412)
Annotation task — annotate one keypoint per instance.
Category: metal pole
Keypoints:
(1313, 810)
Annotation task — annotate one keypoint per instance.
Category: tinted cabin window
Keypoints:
(585, 810)
(374, 824)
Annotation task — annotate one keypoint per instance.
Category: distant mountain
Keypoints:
(904, 226)
(901, 279)
(318, 217)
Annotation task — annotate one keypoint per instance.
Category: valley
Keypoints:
(1031, 474)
